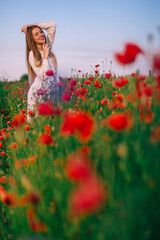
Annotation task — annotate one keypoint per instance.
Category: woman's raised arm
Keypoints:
(50, 27)
(24, 28)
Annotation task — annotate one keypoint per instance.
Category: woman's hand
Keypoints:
(46, 49)
(24, 28)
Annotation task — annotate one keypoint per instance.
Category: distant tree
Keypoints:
(24, 77)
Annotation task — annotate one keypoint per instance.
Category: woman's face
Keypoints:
(38, 35)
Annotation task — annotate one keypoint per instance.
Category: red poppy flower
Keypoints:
(19, 120)
(86, 82)
(108, 75)
(35, 224)
(118, 121)
(27, 128)
(104, 101)
(87, 198)
(66, 97)
(129, 55)
(45, 139)
(79, 124)
(23, 111)
(77, 167)
(119, 82)
(13, 145)
(45, 109)
(81, 92)
(73, 83)
(2, 154)
(31, 113)
(91, 78)
(96, 66)
(50, 73)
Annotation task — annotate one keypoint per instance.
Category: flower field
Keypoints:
(87, 166)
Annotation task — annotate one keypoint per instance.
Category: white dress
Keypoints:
(43, 88)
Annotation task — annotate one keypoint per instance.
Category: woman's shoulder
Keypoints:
(31, 53)
(31, 57)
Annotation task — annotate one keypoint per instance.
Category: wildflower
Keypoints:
(119, 82)
(2, 153)
(36, 225)
(9, 199)
(23, 111)
(19, 120)
(81, 92)
(96, 66)
(87, 198)
(91, 79)
(45, 109)
(13, 145)
(73, 83)
(104, 101)
(31, 113)
(129, 55)
(45, 139)
(1, 145)
(47, 128)
(27, 128)
(118, 121)
(66, 97)
(77, 167)
(108, 75)
(79, 124)
(33, 159)
(96, 83)
(87, 82)
(3, 179)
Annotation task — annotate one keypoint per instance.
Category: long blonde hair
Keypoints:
(31, 46)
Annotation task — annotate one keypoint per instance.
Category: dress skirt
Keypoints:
(42, 91)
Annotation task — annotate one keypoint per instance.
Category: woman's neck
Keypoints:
(40, 46)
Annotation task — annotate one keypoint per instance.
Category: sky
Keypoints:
(88, 32)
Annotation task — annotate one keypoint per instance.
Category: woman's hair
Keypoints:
(31, 45)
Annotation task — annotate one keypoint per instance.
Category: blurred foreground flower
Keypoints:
(90, 194)
(19, 120)
(36, 224)
(45, 139)
(79, 124)
(129, 54)
(47, 109)
(87, 198)
(118, 121)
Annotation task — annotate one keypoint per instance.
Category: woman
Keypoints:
(40, 60)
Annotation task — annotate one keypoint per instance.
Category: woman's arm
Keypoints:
(50, 27)
(39, 71)
(24, 28)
